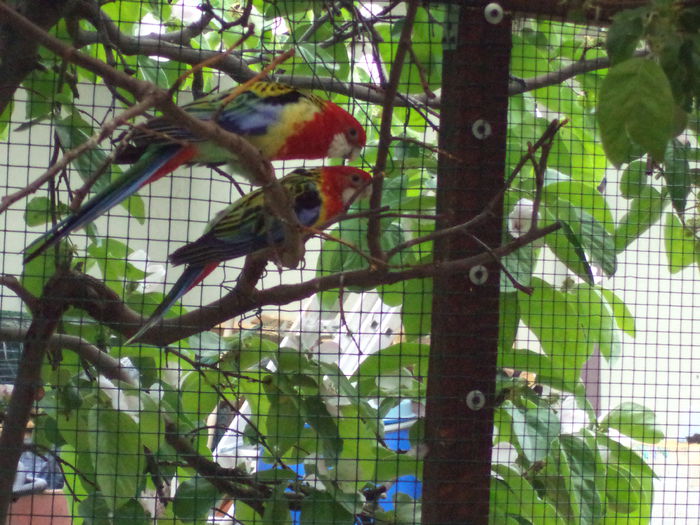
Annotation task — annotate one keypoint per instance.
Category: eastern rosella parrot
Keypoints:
(281, 121)
(246, 226)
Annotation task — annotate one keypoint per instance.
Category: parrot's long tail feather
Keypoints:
(192, 276)
(150, 168)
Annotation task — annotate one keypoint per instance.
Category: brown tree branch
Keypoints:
(18, 49)
(28, 385)
(105, 306)
(374, 225)
(104, 363)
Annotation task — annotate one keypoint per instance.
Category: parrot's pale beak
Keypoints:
(354, 153)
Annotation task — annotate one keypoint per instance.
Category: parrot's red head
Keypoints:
(348, 136)
(331, 132)
(343, 185)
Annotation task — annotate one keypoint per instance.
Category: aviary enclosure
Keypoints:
(349, 262)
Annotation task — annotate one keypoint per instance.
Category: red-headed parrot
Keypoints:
(246, 226)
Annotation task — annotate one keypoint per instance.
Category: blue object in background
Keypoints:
(396, 427)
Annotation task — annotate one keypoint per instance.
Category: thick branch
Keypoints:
(231, 481)
(18, 49)
(104, 363)
(101, 303)
(28, 384)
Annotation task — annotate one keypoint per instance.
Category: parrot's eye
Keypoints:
(356, 179)
(352, 132)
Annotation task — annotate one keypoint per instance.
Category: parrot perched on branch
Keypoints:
(281, 121)
(246, 226)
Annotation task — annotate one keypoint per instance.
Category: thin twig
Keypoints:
(374, 225)
(525, 289)
(105, 131)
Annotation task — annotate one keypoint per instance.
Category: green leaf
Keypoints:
(38, 211)
(677, 174)
(583, 465)
(585, 235)
(535, 428)
(391, 359)
(585, 197)
(622, 489)
(597, 320)
(623, 317)
(117, 454)
(634, 179)
(5, 119)
(680, 244)
(509, 318)
(277, 508)
(284, 423)
(625, 33)
(551, 317)
(636, 106)
(316, 415)
(633, 420)
(194, 499)
(521, 499)
(549, 371)
(320, 507)
(417, 309)
(644, 211)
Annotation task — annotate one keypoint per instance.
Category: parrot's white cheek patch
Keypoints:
(340, 147)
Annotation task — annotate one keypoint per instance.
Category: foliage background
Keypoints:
(620, 176)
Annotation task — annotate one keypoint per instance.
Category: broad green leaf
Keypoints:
(623, 317)
(194, 499)
(585, 235)
(634, 420)
(392, 358)
(596, 318)
(131, 513)
(520, 264)
(416, 312)
(550, 316)
(680, 244)
(644, 211)
(677, 174)
(277, 508)
(38, 211)
(117, 454)
(584, 466)
(508, 320)
(625, 33)
(316, 415)
(567, 247)
(320, 507)
(5, 119)
(634, 179)
(524, 500)
(587, 198)
(641, 482)
(622, 489)
(535, 428)
(284, 423)
(636, 106)
(549, 371)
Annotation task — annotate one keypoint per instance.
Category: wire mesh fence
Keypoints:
(438, 266)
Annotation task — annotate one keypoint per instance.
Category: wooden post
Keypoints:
(462, 371)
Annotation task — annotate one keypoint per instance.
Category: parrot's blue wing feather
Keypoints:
(113, 194)
(189, 278)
